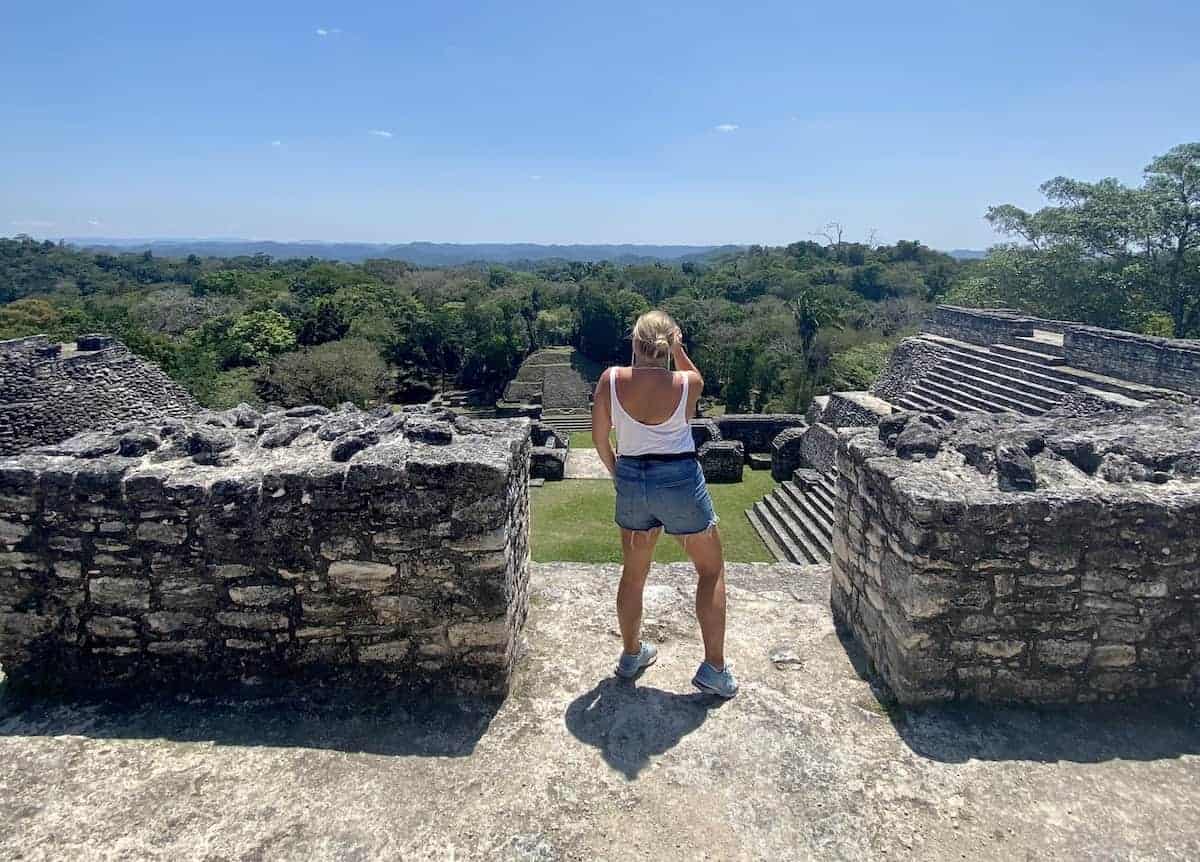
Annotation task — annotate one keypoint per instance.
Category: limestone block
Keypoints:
(127, 593)
(362, 575)
(722, 461)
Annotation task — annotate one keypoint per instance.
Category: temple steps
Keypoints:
(1014, 368)
(795, 520)
(1029, 379)
(965, 389)
(568, 424)
(1031, 354)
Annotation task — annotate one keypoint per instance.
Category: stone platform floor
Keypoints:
(584, 464)
(805, 764)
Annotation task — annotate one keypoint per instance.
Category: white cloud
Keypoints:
(32, 222)
(535, 177)
(277, 143)
(94, 222)
(328, 31)
(380, 133)
(726, 127)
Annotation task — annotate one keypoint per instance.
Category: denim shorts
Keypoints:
(668, 494)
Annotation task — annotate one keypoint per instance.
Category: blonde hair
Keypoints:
(654, 335)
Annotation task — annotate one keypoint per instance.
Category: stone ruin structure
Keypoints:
(548, 460)
(303, 544)
(50, 391)
(1008, 558)
(554, 384)
(1012, 512)
(1012, 515)
(992, 361)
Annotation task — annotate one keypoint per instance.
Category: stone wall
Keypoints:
(984, 326)
(818, 448)
(722, 461)
(908, 364)
(755, 431)
(787, 453)
(854, 410)
(338, 547)
(999, 558)
(1169, 363)
(48, 392)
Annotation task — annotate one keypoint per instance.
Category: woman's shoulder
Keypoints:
(692, 377)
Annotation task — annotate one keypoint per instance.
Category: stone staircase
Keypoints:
(1003, 378)
(795, 520)
(567, 422)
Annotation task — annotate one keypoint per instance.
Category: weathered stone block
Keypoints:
(722, 461)
(259, 622)
(549, 464)
(260, 595)
(207, 555)
(362, 575)
(940, 569)
(392, 652)
(787, 453)
(167, 622)
(126, 593)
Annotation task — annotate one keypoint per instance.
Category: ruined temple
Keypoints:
(1010, 514)
(554, 384)
(50, 391)
(968, 360)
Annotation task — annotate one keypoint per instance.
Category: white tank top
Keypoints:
(666, 438)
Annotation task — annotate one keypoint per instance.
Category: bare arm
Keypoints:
(602, 422)
(684, 363)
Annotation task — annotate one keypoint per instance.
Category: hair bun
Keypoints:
(654, 334)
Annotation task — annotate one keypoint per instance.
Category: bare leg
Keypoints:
(704, 550)
(637, 550)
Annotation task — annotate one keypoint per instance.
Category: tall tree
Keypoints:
(1108, 253)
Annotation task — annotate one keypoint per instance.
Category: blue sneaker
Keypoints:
(631, 665)
(722, 683)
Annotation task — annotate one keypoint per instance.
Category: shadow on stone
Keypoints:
(395, 725)
(629, 723)
(1083, 733)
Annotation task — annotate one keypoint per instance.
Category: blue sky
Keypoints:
(697, 122)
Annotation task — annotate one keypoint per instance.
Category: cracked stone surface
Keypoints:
(806, 763)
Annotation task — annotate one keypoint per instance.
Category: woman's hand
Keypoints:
(676, 338)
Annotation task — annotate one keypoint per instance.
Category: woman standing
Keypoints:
(660, 486)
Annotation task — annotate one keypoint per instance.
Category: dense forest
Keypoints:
(770, 326)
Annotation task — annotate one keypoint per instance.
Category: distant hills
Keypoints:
(419, 253)
(428, 253)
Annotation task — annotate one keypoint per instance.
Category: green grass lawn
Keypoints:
(583, 439)
(573, 521)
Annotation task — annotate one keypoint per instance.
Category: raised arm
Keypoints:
(602, 423)
(684, 363)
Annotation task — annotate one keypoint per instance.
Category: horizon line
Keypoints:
(236, 239)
